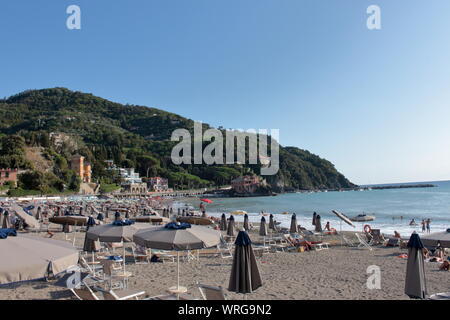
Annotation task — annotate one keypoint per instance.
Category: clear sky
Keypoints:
(375, 103)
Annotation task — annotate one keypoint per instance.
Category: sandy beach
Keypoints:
(336, 273)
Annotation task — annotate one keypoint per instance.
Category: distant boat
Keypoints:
(362, 218)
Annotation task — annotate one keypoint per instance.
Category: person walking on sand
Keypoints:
(428, 225)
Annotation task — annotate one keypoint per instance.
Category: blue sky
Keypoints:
(375, 103)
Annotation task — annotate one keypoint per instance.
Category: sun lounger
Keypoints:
(362, 243)
(140, 256)
(320, 246)
(348, 242)
(124, 294)
(210, 292)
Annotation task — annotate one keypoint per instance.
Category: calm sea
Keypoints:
(386, 205)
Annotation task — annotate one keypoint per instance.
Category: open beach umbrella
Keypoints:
(25, 257)
(294, 225)
(263, 228)
(245, 277)
(245, 225)
(314, 219)
(271, 222)
(206, 200)
(239, 212)
(118, 231)
(415, 282)
(432, 239)
(230, 228)
(318, 224)
(223, 222)
(178, 237)
(343, 217)
(22, 214)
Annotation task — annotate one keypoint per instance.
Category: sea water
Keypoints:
(393, 208)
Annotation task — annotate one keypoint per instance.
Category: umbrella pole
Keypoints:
(124, 257)
(178, 270)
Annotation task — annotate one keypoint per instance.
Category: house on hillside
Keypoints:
(7, 175)
(82, 168)
(246, 184)
(158, 184)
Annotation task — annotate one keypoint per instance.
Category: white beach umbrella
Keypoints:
(178, 237)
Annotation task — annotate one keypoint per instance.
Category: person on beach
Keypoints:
(413, 222)
(423, 223)
(428, 225)
(396, 234)
(445, 266)
(327, 226)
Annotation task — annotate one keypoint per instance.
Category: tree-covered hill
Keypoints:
(134, 136)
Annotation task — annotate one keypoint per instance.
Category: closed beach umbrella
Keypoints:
(294, 225)
(415, 283)
(117, 216)
(178, 236)
(38, 214)
(6, 224)
(230, 228)
(100, 217)
(223, 222)
(271, 222)
(318, 224)
(246, 226)
(263, 227)
(25, 257)
(314, 219)
(245, 277)
(166, 213)
(127, 215)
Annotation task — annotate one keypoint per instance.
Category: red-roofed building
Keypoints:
(7, 175)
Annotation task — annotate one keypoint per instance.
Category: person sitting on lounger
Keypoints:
(155, 258)
(445, 266)
(327, 226)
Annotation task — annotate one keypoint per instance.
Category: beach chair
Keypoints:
(210, 292)
(140, 255)
(376, 237)
(362, 243)
(84, 293)
(164, 255)
(320, 246)
(93, 269)
(124, 294)
(115, 276)
(348, 242)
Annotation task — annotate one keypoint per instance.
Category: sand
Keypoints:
(337, 273)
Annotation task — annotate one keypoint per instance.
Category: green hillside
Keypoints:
(133, 136)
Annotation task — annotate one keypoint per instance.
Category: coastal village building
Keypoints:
(131, 182)
(246, 184)
(158, 184)
(7, 175)
(82, 168)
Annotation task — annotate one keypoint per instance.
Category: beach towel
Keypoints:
(115, 258)
(123, 222)
(177, 225)
(4, 233)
